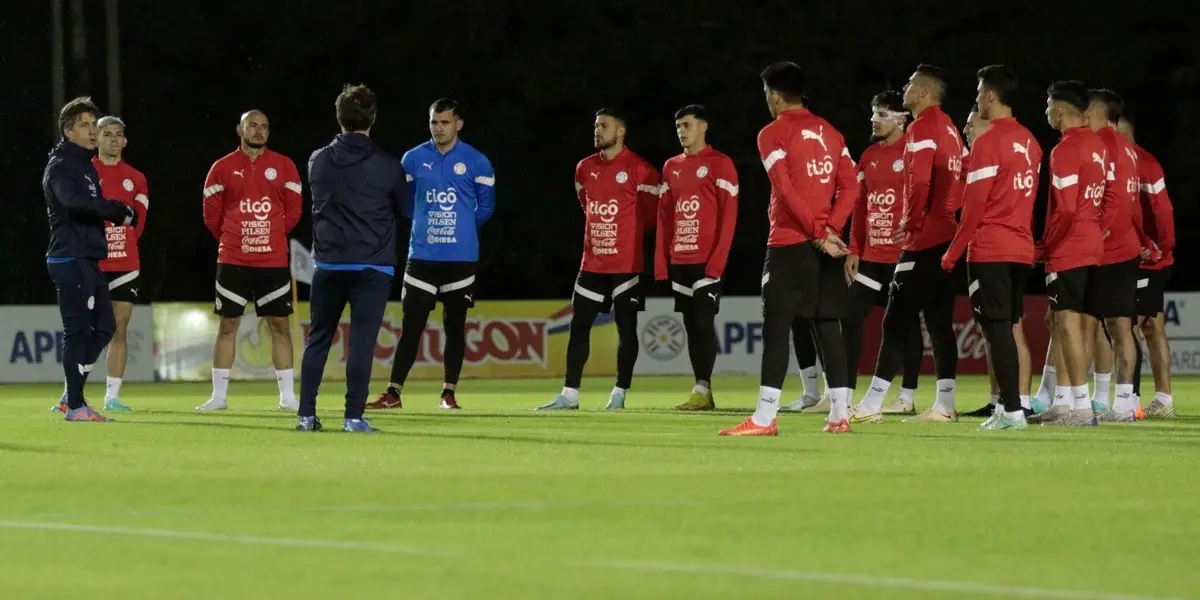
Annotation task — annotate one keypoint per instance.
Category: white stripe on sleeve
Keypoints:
(1061, 183)
(1156, 187)
(773, 158)
(213, 189)
(488, 181)
(921, 145)
(143, 199)
(648, 189)
(981, 174)
(725, 185)
(293, 186)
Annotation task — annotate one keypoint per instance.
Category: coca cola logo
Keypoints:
(968, 337)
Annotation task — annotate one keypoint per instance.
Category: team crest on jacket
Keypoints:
(701, 172)
(622, 177)
(128, 185)
(898, 165)
(270, 174)
(460, 169)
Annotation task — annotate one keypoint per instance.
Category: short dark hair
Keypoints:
(787, 78)
(937, 74)
(612, 111)
(71, 111)
(355, 107)
(889, 99)
(1128, 118)
(1114, 106)
(696, 110)
(1002, 80)
(446, 104)
(1072, 92)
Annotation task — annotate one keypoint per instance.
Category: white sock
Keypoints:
(768, 405)
(839, 404)
(1164, 398)
(619, 391)
(287, 384)
(873, 401)
(945, 396)
(809, 377)
(1063, 396)
(1101, 381)
(1124, 400)
(112, 388)
(1018, 415)
(64, 394)
(906, 395)
(1027, 402)
(1083, 400)
(220, 381)
(571, 394)
(699, 389)
(994, 399)
(1047, 386)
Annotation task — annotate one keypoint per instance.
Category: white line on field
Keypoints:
(848, 579)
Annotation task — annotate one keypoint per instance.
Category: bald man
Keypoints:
(251, 202)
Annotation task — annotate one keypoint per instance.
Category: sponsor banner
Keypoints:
(504, 339)
(33, 342)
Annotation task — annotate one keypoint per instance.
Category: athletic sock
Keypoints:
(571, 394)
(1101, 382)
(1082, 399)
(906, 395)
(873, 401)
(619, 391)
(808, 376)
(112, 388)
(768, 406)
(1124, 400)
(1027, 402)
(994, 399)
(1047, 387)
(220, 383)
(1164, 398)
(287, 385)
(839, 404)
(699, 389)
(1063, 396)
(945, 396)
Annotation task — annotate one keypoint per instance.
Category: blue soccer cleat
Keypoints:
(114, 405)
(309, 424)
(560, 402)
(616, 400)
(358, 426)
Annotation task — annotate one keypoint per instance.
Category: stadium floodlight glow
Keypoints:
(196, 319)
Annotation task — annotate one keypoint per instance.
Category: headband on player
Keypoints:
(880, 115)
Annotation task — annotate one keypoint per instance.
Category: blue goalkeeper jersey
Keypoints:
(452, 197)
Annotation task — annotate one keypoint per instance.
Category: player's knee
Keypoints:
(228, 326)
(279, 326)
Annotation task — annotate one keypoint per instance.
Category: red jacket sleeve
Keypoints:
(647, 188)
(214, 200)
(858, 221)
(665, 230)
(1154, 188)
(982, 176)
(579, 193)
(141, 193)
(1064, 195)
(846, 196)
(293, 197)
(1108, 209)
(773, 153)
(919, 152)
(727, 203)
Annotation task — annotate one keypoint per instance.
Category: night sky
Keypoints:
(529, 77)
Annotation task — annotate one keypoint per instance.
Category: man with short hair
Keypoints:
(359, 194)
(697, 215)
(77, 215)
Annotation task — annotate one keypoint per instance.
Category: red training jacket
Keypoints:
(877, 212)
(1078, 170)
(619, 198)
(933, 158)
(1117, 215)
(697, 212)
(1158, 215)
(250, 206)
(127, 184)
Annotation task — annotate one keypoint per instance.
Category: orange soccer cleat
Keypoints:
(842, 426)
(750, 428)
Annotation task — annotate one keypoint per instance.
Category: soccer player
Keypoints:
(697, 215)
(874, 251)
(1113, 297)
(804, 274)
(618, 191)
(120, 181)
(453, 195)
(359, 193)
(251, 201)
(996, 231)
(1072, 246)
(1158, 221)
(77, 216)
(932, 164)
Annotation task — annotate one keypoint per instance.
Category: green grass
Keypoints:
(497, 502)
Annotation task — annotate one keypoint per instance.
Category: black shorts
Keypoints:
(874, 279)
(1151, 289)
(919, 283)
(1112, 290)
(801, 281)
(602, 290)
(124, 286)
(1067, 290)
(426, 282)
(269, 288)
(692, 288)
(997, 290)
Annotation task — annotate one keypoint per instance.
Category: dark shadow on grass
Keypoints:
(6, 447)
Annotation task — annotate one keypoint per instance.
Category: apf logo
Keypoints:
(664, 338)
(688, 207)
(883, 200)
(822, 169)
(128, 185)
(444, 200)
(606, 211)
(261, 209)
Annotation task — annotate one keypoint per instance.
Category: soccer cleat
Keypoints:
(697, 401)
(860, 415)
(805, 402)
(386, 400)
(897, 407)
(986, 411)
(1099, 408)
(822, 406)
(1160, 410)
(85, 414)
(289, 404)
(1038, 406)
(1129, 416)
(559, 402)
(448, 402)
(309, 424)
(212, 404)
(114, 405)
(933, 415)
(616, 401)
(749, 428)
(842, 426)
(1001, 421)
(1055, 415)
(358, 426)
(1081, 417)
(60, 406)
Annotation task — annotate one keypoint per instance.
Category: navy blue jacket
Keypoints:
(76, 209)
(359, 193)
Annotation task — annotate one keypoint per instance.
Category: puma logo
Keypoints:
(240, 173)
(872, 164)
(468, 297)
(1019, 149)
(675, 173)
(427, 165)
(1098, 159)
(818, 135)
(713, 296)
(1053, 299)
(594, 175)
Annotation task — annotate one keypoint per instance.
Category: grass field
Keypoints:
(497, 502)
